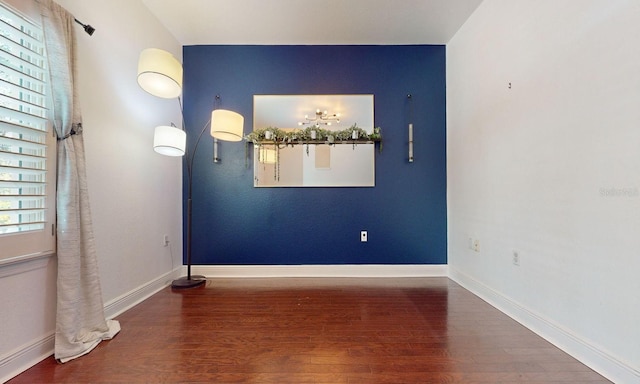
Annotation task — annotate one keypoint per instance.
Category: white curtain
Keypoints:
(80, 319)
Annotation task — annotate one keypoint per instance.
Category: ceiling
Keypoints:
(312, 22)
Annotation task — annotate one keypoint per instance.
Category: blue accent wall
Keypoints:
(405, 214)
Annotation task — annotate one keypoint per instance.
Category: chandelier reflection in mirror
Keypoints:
(320, 118)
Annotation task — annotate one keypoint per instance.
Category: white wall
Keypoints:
(550, 168)
(135, 193)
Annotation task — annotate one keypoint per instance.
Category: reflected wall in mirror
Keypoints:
(330, 146)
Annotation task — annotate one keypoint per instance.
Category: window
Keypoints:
(27, 145)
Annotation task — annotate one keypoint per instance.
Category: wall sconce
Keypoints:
(216, 158)
(410, 142)
(160, 74)
(410, 128)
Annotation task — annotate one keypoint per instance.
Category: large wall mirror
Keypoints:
(313, 141)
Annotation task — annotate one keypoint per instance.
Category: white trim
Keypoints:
(580, 348)
(134, 297)
(25, 357)
(346, 270)
(25, 9)
(25, 263)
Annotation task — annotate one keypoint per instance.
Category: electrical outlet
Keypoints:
(516, 258)
(165, 240)
(363, 236)
(474, 244)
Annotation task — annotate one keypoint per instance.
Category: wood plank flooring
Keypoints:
(427, 330)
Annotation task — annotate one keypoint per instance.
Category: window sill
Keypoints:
(24, 263)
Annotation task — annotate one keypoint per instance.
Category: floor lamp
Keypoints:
(160, 74)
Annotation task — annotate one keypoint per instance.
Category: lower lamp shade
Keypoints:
(227, 125)
(169, 141)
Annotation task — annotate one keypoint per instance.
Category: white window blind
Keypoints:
(25, 160)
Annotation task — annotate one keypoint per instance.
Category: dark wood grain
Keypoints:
(318, 331)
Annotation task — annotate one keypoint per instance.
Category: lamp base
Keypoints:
(186, 282)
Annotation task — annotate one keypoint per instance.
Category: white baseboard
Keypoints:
(590, 355)
(23, 358)
(123, 302)
(335, 270)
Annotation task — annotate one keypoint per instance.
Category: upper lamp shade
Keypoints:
(169, 141)
(159, 73)
(227, 125)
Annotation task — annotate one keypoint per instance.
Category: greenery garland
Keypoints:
(303, 136)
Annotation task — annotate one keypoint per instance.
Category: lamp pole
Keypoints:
(190, 281)
(160, 74)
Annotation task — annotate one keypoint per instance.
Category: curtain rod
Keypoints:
(87, 28)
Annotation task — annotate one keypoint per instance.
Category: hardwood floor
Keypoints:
(427, 330)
